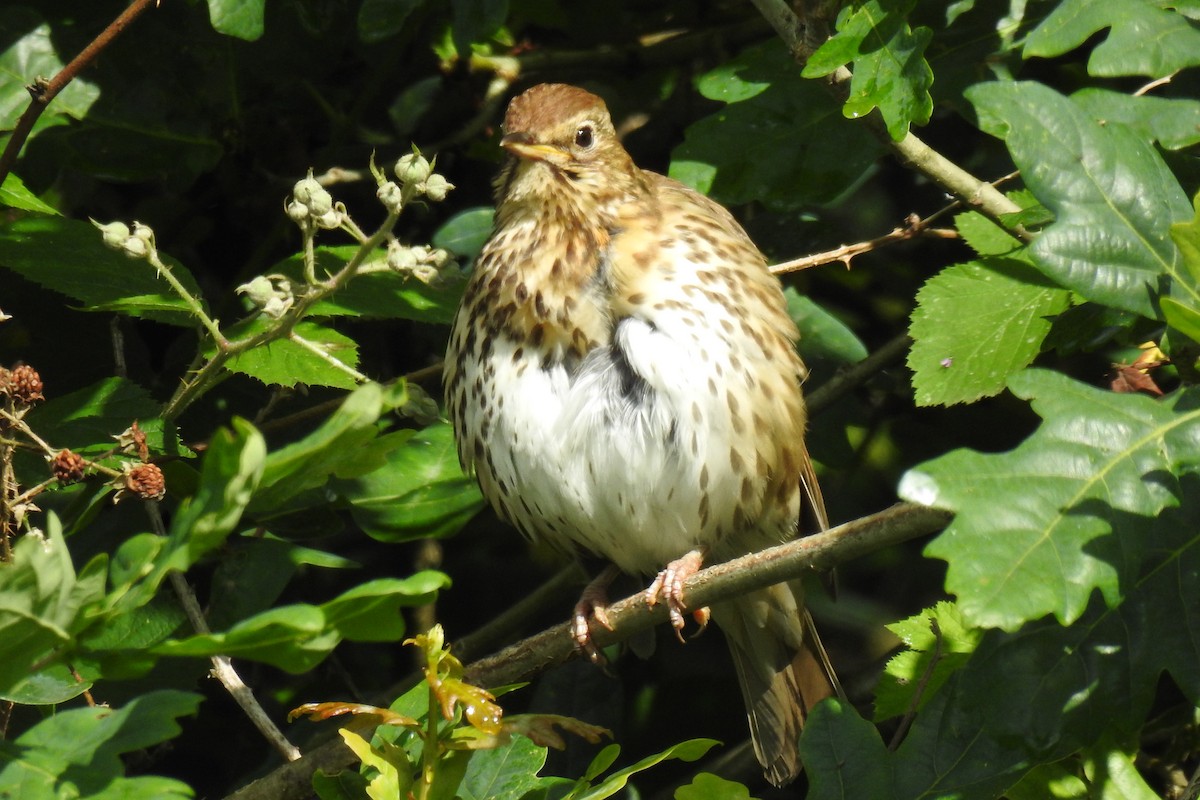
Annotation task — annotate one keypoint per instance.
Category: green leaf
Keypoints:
(475, 21)
(466, 232)
(1144, 38)
(907, 675)
(506, 772)
(1039, 528)
(297, 637)
(371, 612)
(77, 753)
(706, 786)
(691, 750)
(39, 601)
(47, 686)
(230, 470)
(381, 295)
(844, 756)
(1114, 774)
(1173, 122)
(253, 572)
(1051, 781)
(890, 70)
(308, 463)
(88, 420)
(67, 256)
(1183, 313)
(32, 55)
(1112, 195)
(421, 491)
(383, 19)
(240, 18)
(975, 325)
(286, 362)
(792, 120)
(822, 335)
(14, 194)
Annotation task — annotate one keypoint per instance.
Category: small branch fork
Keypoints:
(43, 91)
(913, 227)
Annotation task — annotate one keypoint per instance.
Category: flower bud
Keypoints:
(258, 291)
(329, 220)
(436, 188)
(413, 168)
(135, 247)
(401, 258)
(392, 196)
(114, 234)
(297, 212)
(310, 193)
(145, 233)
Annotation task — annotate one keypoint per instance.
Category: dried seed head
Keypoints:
(68, 467)
(146, 481)
(24, 385)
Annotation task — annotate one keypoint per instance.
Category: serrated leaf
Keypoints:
(907, 674)
(1173, 122)
(421, 491)
(975, 325)
(67, 256)
(1144, 38)
(87, 420)
(76, 753)
(890, 70)
(382, 295)
(14, 194)
(1035, 528)
(1113, 196)
(285, 362)
(791, 119)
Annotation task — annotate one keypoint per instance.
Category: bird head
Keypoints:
(563, 148)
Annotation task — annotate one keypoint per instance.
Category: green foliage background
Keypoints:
(322, 524)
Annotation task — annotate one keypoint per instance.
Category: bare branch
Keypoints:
(44, 91)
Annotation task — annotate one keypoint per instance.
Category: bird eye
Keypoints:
(584, 136)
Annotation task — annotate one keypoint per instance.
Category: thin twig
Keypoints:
(912, 151)
(1154, 84)
(856, 375)
(222, 669)
(44, 91)
(913, 227)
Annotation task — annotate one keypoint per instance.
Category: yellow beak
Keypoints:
(521, 145)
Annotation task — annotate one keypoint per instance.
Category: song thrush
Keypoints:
(622, 378)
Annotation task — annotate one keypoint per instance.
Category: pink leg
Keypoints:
(668, 585)
(593, 603)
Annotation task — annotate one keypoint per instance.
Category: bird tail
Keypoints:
(782, 668)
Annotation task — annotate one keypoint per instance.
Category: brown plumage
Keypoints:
(622, 378)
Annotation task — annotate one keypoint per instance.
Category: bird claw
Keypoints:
(668, 586)
(593, 604)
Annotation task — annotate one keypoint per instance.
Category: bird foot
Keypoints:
(668, 586)
(593, 604)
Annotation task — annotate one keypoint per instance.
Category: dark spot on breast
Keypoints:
(521, 293)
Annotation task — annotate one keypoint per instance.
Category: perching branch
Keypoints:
(530, 656)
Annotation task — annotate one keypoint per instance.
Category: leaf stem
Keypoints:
(328, 357)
